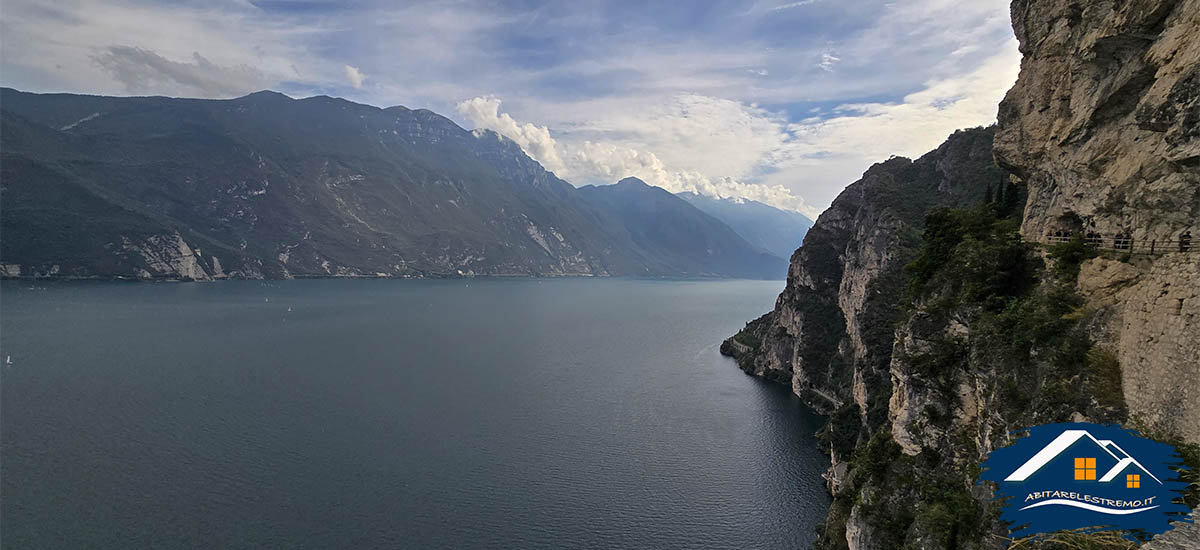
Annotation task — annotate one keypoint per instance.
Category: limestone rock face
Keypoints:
(1103, 125)
(858, 532)
(1185, 536)
(829, 337)
(1103, 122)
(167, 256)
(1153, 310)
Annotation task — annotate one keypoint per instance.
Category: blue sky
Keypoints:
(780, 101)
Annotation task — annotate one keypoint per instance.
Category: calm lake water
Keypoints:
(401, 414)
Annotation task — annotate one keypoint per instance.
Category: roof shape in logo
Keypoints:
(1065, 440)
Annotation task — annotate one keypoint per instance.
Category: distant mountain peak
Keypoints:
(775, 230)
(680, 232)
(266, 94)
(633, 181)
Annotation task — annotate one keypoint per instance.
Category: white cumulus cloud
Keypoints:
(689, 118)
(719, 106)
(355, 76)
(535, 140)
(828, 153)
(725, 148)
(608, 163)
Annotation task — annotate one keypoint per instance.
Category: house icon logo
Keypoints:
(1086, 476)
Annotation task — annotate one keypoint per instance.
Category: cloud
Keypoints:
(791, 5)
(220, 48)
(535, 140)
(827, 153)
(605, 162)
(144, 71)
(725, 148)
(687, 131)
(920, 121)
(723, 93)
(827, 61)
(355, 76)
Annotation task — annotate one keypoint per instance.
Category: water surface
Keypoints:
(406, 414)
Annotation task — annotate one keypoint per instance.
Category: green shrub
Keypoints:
(970, 256)
(841, 431)
(874, 459)
(948, 512)
(1104, 378)
(747, 338)
(1067, 257)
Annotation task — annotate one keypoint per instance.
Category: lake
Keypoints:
(564, 413)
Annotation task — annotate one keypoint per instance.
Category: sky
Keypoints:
(781, 101)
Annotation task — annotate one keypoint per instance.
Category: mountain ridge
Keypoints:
(267, 186)
(653, 214)
(778, 231)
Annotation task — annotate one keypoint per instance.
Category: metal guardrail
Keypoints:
(1129, 245)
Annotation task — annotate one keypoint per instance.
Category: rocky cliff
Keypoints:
(1103, 126)
(832, 338)
(829, 337)
(928, 337)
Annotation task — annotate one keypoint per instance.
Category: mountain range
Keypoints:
(266, 186)
(777, 231)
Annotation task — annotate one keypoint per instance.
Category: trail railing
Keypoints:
(1129, 245)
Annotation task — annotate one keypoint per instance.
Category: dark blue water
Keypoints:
(400, 414)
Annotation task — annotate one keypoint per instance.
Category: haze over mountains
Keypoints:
(269, 186)
(777, 231)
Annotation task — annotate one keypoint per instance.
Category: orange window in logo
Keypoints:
(1133, 481)
(1085, 469)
